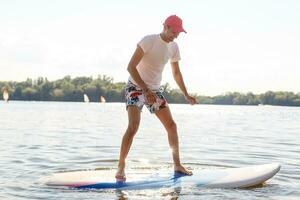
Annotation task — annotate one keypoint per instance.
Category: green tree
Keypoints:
(29, 93)
(68, 89)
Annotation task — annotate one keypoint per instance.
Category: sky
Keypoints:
(232, 45)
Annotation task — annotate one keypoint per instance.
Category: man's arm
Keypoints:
(179, 80)
(134, 61)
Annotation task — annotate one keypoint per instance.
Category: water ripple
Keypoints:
(57, 136)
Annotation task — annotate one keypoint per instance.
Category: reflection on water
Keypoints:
(40, 138)
(170, 193)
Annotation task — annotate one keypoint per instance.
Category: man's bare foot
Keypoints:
(120, 175)
(180, 169)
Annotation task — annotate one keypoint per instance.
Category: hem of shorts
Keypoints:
(159, 109)
(135, 106)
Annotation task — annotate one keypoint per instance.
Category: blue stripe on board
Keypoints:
(198, 179)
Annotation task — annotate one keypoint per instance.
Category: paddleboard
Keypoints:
(212, 178)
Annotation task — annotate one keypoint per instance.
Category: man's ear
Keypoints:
(166, 27)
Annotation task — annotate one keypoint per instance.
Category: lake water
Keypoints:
(40, 138)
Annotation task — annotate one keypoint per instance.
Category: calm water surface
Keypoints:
(40, 138)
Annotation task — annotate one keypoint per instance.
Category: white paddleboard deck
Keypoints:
(213, 178)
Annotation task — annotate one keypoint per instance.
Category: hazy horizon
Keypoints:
(243, 46)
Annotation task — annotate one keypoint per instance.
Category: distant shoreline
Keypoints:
(50, 101)
(70, 89)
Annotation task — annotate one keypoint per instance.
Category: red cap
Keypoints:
(175, 22)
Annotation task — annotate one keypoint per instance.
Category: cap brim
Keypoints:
(178, 30)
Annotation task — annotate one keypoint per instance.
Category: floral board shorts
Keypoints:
(134, 97)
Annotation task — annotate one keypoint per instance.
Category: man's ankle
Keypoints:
(121, 165)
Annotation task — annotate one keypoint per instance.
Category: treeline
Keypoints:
(73, 89)
(65, 89)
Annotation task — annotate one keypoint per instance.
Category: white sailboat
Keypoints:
(86, 98)
(5, 95)
(102, 99)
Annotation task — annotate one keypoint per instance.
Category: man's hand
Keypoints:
(150, 96)
(190, 99)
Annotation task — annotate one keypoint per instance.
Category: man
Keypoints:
(143, 88)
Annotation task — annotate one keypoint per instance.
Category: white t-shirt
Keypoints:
(157, 52)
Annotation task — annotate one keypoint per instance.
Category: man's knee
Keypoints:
(133, 127)
(171, 127)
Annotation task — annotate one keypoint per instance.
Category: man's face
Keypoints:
(170, 34)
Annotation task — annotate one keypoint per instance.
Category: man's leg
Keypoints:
(134, 116)
(165, 116)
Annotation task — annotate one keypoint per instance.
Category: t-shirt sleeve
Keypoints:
(146, 43)
(174, 51)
